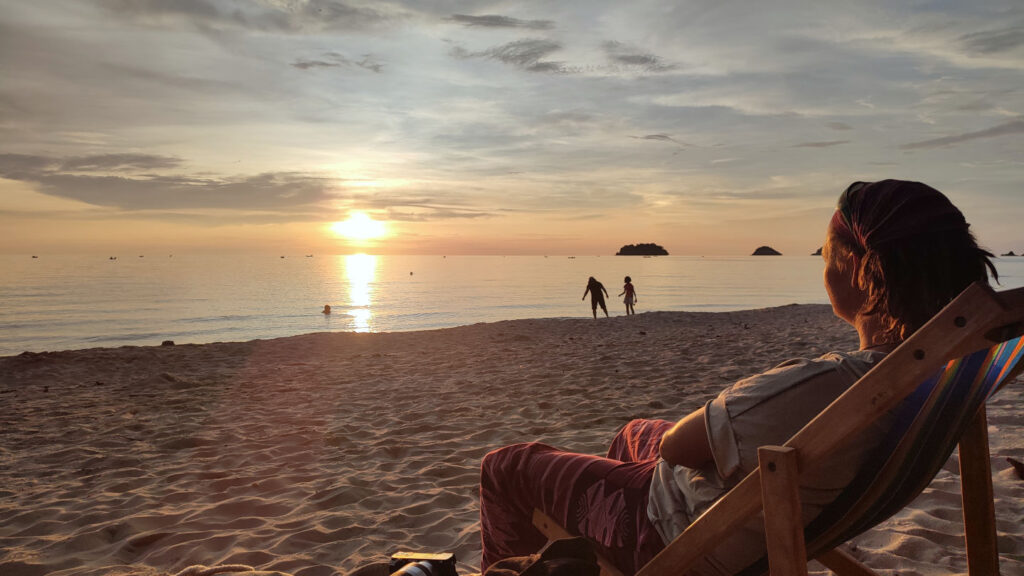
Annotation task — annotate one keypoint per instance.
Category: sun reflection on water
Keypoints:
(361, 270)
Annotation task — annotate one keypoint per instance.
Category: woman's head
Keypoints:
(905, 251)
(628, 279)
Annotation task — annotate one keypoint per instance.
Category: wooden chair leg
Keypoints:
(553, 530)
(783, 524)
(976, 491)
(840, 562)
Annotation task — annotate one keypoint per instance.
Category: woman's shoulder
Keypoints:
(846, 367)
(828, 361)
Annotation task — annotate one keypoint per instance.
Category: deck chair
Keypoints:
(938, 380)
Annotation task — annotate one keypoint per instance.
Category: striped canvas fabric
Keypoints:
(928, 427)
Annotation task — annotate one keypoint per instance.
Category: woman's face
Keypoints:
(839, 277)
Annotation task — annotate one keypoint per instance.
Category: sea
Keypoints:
(50, 303)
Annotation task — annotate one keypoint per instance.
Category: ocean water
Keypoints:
(71, 302)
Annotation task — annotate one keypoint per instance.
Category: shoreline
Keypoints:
(411, 330)
(322, 452)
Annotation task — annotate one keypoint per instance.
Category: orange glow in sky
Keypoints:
(690, 127)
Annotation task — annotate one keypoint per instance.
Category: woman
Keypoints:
(895, 253)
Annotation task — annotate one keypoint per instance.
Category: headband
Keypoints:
(870, 214)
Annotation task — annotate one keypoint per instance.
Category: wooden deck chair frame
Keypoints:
(977, 319)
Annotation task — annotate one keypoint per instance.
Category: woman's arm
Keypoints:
(686, 444)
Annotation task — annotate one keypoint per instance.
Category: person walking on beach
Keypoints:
(597, 294)
(630, 298)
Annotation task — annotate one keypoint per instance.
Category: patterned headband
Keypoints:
(871, 214)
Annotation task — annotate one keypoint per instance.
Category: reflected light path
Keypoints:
(361, 270)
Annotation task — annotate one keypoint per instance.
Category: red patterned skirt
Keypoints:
(604, 499)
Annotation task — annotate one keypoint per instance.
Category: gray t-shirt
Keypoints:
(766, 409)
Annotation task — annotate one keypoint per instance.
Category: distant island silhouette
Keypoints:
(817, 252)
(766, 251)
(1010, 253)
(642, 250)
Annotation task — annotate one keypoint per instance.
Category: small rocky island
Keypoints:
(817, 252)
(1010, 253)
(642, 250)
(766, 251)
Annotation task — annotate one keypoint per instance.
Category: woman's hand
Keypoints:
(686, 444)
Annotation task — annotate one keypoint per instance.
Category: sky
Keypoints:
(570, 127)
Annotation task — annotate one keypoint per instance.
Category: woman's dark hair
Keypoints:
(916, 252)
(628, 279)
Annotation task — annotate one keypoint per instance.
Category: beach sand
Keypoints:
(315, 454)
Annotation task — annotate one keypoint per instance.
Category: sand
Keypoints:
(316, 454)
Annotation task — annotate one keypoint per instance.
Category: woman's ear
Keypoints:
(854, 262)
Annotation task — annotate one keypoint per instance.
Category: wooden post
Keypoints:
(783, 524)
(976, 491)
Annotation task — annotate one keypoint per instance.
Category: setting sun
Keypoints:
(359, 226)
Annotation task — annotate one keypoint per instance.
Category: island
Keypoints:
(642, 250)
(817, 252)
(1010, 253)
(766, 251)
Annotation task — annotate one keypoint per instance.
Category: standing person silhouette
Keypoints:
(630, 298)
(596, 297)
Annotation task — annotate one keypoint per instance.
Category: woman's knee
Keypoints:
(632, 428)
(503, 462)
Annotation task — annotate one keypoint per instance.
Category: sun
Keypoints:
(359, 226)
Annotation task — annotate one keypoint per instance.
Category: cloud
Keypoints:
(825, 144)
(14, 166)
(624, 55)
(496, 21)
(994, 41)
(118, 162)
(567, 117)
(265, 15)
(307, 64)
(268, 191)
(525, 54)
(336, 60)
(428, 213)
(1014, 127)
(270, 197)
(660, 137)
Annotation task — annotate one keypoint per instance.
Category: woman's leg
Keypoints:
(638, 440)
(602, 499)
